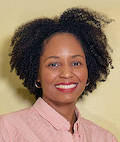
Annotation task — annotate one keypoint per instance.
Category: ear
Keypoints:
(38, 80)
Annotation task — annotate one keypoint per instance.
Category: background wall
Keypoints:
(103, 105)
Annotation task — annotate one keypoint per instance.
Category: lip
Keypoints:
(66, 89)
(66, 83)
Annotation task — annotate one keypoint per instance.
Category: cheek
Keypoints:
(47, 77)
(83, 75)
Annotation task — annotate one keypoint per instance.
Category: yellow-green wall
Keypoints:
(103, 105)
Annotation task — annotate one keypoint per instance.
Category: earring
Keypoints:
(88, 82)
(37, 85)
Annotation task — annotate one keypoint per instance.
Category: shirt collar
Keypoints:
(53, 117)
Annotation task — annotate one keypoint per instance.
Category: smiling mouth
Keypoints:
(66, 87)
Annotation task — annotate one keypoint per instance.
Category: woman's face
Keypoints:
(63, 71)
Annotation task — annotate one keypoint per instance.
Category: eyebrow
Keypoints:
(57, 57)
(77, 56)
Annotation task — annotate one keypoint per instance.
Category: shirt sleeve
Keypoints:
(4, 137)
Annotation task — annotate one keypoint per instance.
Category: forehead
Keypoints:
(61, 36)
(62, 43)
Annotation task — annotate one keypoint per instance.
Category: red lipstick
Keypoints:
(66, 86)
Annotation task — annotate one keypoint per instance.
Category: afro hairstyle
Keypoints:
(85, 24)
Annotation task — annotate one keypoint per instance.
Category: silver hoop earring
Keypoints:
(88, 82)
(37, 85)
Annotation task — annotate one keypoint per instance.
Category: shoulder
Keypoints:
(97, 132)
(15, 123)
(8, 123)
(14, 118)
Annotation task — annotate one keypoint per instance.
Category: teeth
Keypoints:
(65, 86)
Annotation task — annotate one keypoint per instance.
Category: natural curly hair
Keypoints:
(86, 25)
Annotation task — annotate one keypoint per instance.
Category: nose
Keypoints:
(66, 72)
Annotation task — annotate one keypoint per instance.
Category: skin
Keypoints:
(63, 61)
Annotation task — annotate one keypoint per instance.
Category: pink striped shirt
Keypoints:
(41, 123)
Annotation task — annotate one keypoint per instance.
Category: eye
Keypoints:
(76, 64)
(53, 64)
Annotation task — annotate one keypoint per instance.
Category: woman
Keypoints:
(58, 60)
